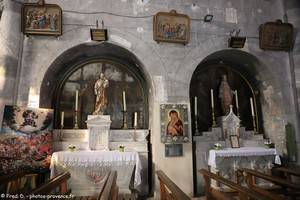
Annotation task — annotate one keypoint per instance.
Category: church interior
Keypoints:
(150, 99)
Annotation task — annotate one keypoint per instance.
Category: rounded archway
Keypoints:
(79, 67)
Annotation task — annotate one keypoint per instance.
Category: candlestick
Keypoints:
(124, 126)
(212, 97)
(62, 119)
(76, 120)
(252, 108)
(195, 106)
(124, 101)
(213, 117)
(76, 100)
(135, 120)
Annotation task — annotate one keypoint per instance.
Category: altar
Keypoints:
(89, 168)
(227, 161)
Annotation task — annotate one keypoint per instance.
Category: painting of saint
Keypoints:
(175, 125)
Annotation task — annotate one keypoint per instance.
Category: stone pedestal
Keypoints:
(98, 132)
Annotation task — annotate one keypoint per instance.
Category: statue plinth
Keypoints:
(98, 135)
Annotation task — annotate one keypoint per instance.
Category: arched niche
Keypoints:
(58, 92)
(240, 69)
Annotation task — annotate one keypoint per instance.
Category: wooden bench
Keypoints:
(168, 189)
(13, 183)
(289, 171)
(288, 188)
(242, 193)
(50, 185)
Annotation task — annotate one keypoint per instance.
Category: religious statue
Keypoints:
(100, 92)
(226, 95)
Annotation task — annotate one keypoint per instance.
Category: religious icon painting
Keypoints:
(174, 123)
(25, 138)
(41, 19)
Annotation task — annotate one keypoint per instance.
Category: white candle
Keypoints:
(135, 119)
(195, 106)
(252, 108)
(236, 99)
(124, 101)
(62, 119)
(212, 97)
(76, 101)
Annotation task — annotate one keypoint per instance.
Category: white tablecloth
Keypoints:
(241, 152)
(95, 164)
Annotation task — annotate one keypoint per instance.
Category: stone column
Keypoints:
(11, 40)
(292, 15)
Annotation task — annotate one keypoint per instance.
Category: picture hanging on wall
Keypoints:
(41, 19)
(174, 123)
(25, 138)
(171, 27)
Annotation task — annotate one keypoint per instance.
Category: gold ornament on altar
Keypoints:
(101, 97)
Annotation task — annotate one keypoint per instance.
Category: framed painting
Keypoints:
(171, 27)
(174, 123)
(276, 36)
(25, 138)
(41, 19)
(234, 141)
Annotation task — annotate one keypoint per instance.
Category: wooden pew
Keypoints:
(12, 182)
(49, 186)
(289, 171)
(288, 187)
(167, 185)
(242, 192)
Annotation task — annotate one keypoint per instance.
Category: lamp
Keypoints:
(99, 34)
(235, 41)
(208, 18)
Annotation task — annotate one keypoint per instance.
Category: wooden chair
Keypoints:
(168, 189)
(242, 193)
(288, 188)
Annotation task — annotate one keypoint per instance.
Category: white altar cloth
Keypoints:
(241, 152)
(93, 165)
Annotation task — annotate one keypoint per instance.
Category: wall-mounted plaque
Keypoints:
(173, 150)
(98, 34)
(171, 27)
(41, 19)
(276, 36)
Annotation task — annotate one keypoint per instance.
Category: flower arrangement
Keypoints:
(121, 148)
(217, 146)
(72, 147)
(269, 144)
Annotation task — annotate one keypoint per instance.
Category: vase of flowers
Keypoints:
(217, 146)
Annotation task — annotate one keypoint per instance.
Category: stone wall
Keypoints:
(168, 66)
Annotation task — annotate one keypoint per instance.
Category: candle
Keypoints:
(195, 106)
(212, 97)
(236, 99)
(62, 119)
(124, 101)
(76, 100)
(135, 119)
(252, 108)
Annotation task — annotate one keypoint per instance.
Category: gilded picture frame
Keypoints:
(174, 123)
(171, 27)
(43, 19)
